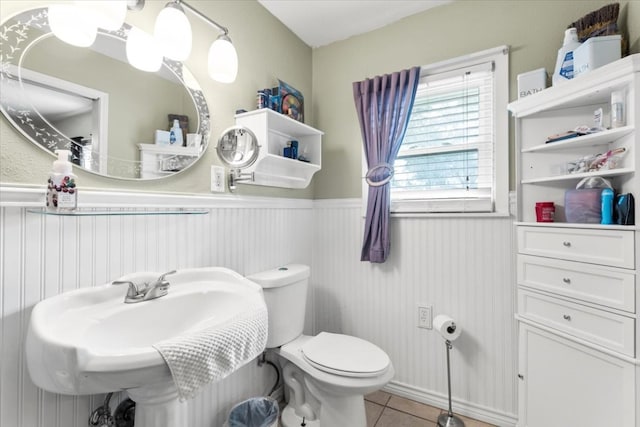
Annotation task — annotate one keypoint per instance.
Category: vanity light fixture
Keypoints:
(175, 37)
(77, 23)
(72, 24)
(143, 51)
(173, 32)
(107, 14)
(223, 60)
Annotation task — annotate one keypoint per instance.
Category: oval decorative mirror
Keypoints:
(113, 117)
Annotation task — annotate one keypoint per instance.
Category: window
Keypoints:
(454, 156)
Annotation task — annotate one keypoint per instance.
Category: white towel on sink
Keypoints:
(203, 356)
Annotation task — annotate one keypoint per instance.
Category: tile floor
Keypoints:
(387, 410)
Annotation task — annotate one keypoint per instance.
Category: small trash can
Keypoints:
(254, 412)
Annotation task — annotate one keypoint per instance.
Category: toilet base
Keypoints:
(290, 419)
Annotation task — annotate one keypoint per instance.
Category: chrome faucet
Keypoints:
(156, 289)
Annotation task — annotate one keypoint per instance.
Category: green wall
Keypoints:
(533, 29)
(267, 50)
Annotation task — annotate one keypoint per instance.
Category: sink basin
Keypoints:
(89, 341)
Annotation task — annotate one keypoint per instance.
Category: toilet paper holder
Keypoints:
(448, 329)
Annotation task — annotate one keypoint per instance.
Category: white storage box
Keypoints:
(531, 82)
(162, 137)
(596, 52)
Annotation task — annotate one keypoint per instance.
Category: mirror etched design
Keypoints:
(115, 130)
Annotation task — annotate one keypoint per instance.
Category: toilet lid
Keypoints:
(345, 355)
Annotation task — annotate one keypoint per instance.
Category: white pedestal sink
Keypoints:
(89, 341)
(158, 405)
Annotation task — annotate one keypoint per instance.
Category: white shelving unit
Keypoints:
(273, 131)
(541, 168)
(579, 344)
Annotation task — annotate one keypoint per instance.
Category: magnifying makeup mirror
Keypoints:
(238, 149)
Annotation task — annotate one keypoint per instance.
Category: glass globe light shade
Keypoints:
(223, 60)
(143, 51)
(108, 14)
(173, 33)
(72, 24)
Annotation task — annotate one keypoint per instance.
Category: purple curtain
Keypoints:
(383, 105)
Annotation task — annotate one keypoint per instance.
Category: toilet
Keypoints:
(326, 376)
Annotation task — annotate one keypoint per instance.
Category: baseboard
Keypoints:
(461, 407)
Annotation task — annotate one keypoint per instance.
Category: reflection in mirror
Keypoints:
(92, 102)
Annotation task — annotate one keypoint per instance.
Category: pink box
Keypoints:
(583, 206)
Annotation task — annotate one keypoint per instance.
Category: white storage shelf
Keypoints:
(156, 159)
(578, 356)
(273, 131)
(542, 173)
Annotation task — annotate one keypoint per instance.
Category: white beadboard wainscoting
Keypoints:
(462, 266)
(41, 256)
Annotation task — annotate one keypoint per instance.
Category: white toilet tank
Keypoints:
(285, 293)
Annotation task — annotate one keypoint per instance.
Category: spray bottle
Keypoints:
(606, 198)
(564, 61)
(62, 194)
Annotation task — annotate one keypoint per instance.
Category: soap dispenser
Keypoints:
(175, 134)
(62, 194)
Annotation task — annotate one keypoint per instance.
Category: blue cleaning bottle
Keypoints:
(606, 199)
(175, 134)
(564, 62)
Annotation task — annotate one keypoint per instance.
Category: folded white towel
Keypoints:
(200, 357)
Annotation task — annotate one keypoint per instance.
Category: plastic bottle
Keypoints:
(564, 62)
(617, 109)
(62, 193)
(175, 134)
(606, 199)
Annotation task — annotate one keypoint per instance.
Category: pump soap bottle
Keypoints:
(564, 62)
(62, 194)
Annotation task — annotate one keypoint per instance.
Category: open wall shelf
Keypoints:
(273, 131)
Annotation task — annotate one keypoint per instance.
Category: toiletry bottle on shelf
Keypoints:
(564, 61)
(175, 134)
(617, 109)
(62, 193)
(606, 199)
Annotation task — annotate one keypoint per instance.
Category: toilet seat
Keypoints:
(345, 355)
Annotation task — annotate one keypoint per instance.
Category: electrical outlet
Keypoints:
(217, 179)
(424, 317)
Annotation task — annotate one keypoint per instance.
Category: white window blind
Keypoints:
(446, 161)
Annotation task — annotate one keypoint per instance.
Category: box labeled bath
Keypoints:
(596, 52)
(532, 82)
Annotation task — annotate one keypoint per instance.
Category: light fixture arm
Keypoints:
(202, 16)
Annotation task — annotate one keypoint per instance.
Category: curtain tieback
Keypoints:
(375, 169)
